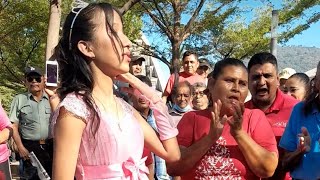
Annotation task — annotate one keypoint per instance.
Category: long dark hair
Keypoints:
(312, 98)
(75, 73)
(305, 80)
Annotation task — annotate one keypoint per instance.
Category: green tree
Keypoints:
(218, 27)
(23, 34)
(55, 20)
(241, 40)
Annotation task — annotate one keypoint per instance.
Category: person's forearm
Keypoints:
(164, 122)
(151, 171)
(54, 102)
(16, 136)
(261, 161)
(4, 135)
(190, 156)
(291, 159)
(171, 147)
(167, 132)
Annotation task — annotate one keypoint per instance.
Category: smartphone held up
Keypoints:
(52, 73)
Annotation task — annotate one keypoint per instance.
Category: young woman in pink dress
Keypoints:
(97, 135)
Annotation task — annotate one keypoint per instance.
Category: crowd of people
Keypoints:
(105, 121)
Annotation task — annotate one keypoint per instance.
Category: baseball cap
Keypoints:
(286, 73)
(135, 58)
(204, 62)
(31, 69)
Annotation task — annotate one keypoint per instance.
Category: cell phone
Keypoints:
(52, 73)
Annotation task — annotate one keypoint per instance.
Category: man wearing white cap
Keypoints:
(284, 75)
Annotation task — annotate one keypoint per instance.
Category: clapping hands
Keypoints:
(235, 121)
(217, 122)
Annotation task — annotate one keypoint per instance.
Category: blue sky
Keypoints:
(308, 38)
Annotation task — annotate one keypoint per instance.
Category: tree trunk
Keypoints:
(127, 6)
(175, 62)
(53, 28)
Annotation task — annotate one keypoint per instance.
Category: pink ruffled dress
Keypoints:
(116, 151)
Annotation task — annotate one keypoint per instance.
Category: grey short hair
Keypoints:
(198, 85)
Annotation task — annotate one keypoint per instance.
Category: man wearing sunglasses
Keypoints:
(30, 113)
(204, 69)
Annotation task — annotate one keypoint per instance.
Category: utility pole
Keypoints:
(274, 26)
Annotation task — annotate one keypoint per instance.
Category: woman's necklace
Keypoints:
(118, 119)
(117, 110)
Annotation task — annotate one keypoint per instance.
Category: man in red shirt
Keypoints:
(190, 66)
(266, 96)
(226, 141)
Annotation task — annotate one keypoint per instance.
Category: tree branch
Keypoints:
(127, 6)
(16, 28)
(4, 4)
(226, 55)
(151, 51)
(158, 22)
(161, 15)
(8, 69)
(192, 19)
(34, 46)
(252, 50)
(295, 12)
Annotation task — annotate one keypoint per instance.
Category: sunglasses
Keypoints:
(31, 78)
(205, 68)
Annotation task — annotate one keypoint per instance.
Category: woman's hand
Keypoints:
(137, 84)
(291, 160)
(54, 99)
(23, 152)
(217, 122)
(126, 77)
(304, 140)
(50, 90)
(236, 120)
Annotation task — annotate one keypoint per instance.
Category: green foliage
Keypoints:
(132, 25)
(184, 25)
(221, 29)
(23, 28)
(23, 34)
(241, 39)
(7, 92)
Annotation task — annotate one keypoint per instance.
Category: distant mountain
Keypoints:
(300, 58)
